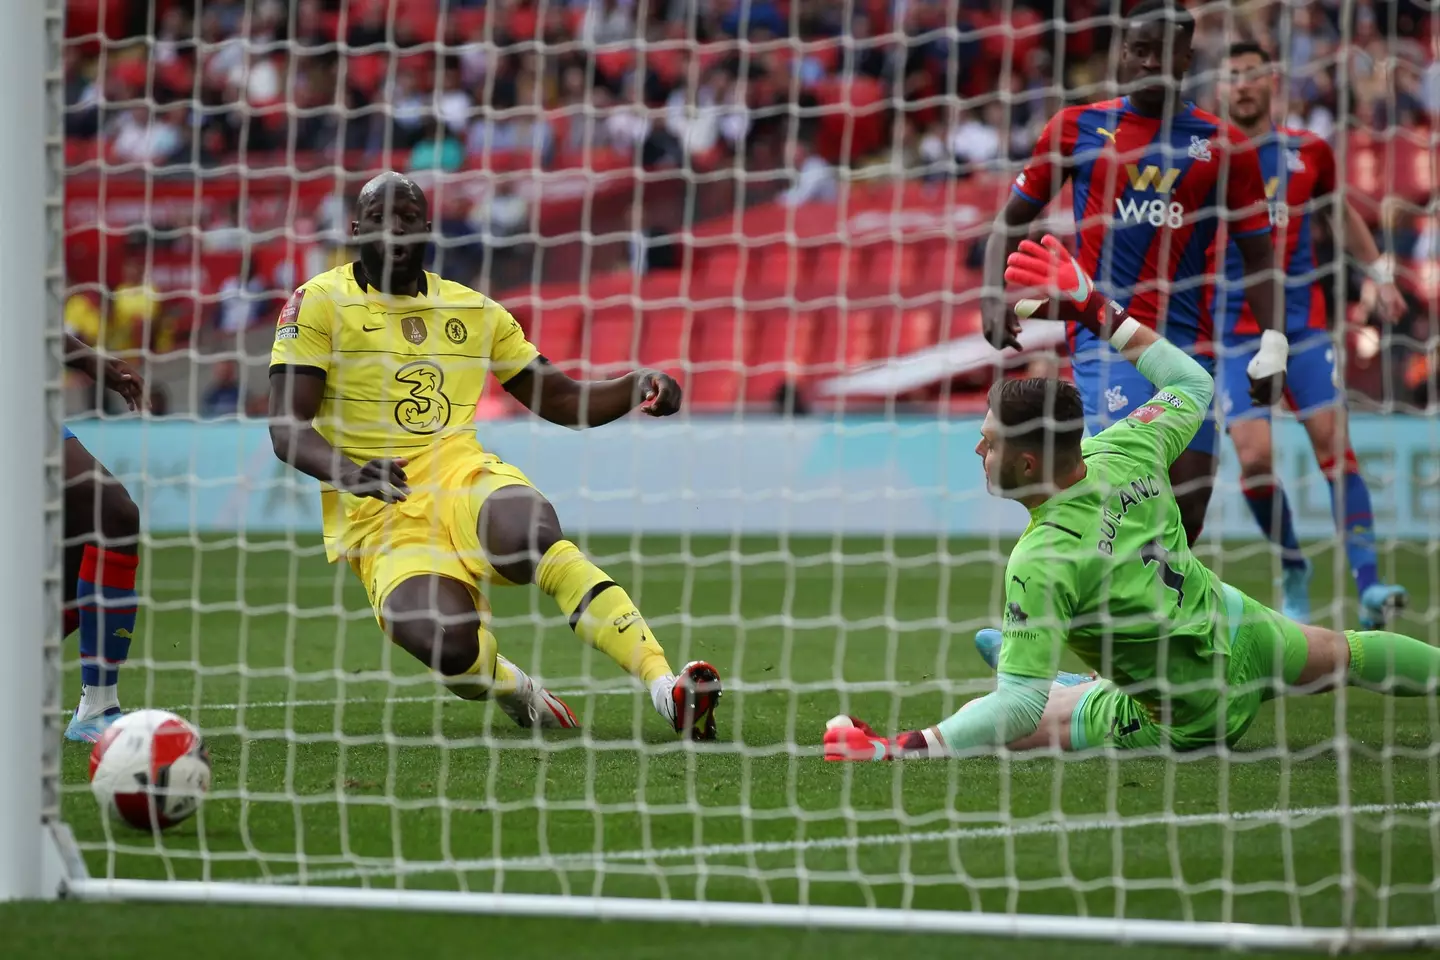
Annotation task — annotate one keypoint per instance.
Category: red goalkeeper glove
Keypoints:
(1069, 293)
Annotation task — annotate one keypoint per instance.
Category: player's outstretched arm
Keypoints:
(1001, 327)
(1360, 244)
(1066, 292)
(110, 373)
(552, 395)
(295, 396)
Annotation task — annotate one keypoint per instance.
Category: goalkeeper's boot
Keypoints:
(987, 644)
(1379, 604)
(696, 694)
(1295, 592)
(92, 727)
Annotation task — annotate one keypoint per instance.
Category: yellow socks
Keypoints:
(490, 675)
(601, 613)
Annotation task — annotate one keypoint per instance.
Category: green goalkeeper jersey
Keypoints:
(1104, 569)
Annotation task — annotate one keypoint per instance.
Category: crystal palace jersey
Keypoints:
(1299, 171)
(1148, 197)
(1104, 569)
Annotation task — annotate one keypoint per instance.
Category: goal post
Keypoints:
(783, 205)
(29, 273)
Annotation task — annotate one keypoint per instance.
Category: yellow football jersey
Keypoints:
(402, 374)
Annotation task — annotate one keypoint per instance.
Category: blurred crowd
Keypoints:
(813, 91)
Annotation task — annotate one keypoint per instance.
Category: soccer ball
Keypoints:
(151, 768)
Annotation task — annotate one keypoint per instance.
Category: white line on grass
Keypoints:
(593, 860)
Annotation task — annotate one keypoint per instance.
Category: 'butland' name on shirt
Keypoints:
(1112, 514)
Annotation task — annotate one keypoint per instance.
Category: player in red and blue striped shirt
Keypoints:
(1152, 177)
(1300, 175)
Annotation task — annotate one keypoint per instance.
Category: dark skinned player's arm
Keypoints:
(1262, 280)
(295, 396)
(552, 395)
(79, 355)
(1001, 326)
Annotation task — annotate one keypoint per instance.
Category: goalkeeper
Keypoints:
(1104, 569)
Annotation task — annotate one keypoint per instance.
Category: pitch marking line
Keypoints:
(596, 861)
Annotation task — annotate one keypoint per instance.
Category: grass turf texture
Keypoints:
(322, 766)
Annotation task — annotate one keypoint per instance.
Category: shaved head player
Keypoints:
(375, 375)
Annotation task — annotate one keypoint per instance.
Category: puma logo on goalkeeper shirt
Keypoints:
(1021, 582)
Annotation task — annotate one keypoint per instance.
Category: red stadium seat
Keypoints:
(558, 334)
(665, 341)
(608, 345)
(366, 72)
(717, 371)
(780, 347)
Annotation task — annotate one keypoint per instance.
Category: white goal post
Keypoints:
(886, 463)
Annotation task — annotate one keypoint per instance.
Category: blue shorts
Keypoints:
(67, 435)
(1311, 381)
(1111, 388)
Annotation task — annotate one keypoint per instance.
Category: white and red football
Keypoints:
(151, 768)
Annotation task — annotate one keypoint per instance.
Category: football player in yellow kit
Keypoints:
(375, 374)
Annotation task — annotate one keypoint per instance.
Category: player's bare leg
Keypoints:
(435, 619)
(1192, 477)
(1350, 500)
(522, 538)
(1254, 448)
(102, 541)
(1373, 659)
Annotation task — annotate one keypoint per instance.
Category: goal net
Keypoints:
(785, 205)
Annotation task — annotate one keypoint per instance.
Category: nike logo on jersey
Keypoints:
(373, 329)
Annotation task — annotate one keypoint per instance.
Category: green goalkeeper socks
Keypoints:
(1390, 663)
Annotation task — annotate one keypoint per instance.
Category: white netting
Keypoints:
(785, 205)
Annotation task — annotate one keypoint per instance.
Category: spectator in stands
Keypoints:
(499, 219)
(453, 101)
(607, 21)
(243, 302)
(82, 96)
(223, 396)
(134, 307)
(437, 149)
(815, 180)
(140, 136)
(708, 116)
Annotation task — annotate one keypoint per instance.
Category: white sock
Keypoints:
(661, 690)
(94, 700)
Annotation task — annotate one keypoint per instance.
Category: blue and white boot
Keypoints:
(987, 644)
(1295, 592)
(99, 707)
(1379, 604)
(91, 728)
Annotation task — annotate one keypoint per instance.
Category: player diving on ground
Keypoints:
(375, 374)
(1104, 569)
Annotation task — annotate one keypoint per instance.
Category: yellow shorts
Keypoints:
(433, 532)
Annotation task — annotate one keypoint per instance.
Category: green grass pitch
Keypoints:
(336, 760)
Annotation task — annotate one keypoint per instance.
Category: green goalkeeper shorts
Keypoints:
(1266, 650)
